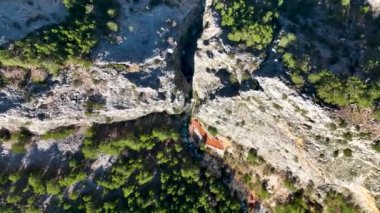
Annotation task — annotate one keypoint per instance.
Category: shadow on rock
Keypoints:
(145, 79)
(231, 85)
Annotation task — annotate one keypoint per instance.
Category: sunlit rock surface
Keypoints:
(289, 131)
(148, 78)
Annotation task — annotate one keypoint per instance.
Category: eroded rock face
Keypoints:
(141, 74)
(146, 80)
(375, 4)
(20, 17)
(149, 30)
(289, 131)
(102, 94)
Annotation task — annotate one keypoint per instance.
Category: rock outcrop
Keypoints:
(289, 130)
(147, 77)
(375, 4)
(142, 73)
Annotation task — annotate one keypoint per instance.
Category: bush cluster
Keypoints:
(73, 39)
(154, 172)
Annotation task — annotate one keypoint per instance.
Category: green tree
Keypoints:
(37, 184)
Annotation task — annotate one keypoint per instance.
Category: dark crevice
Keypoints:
(188, 44)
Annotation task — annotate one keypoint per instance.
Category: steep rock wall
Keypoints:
(145, 80)
(289, 130)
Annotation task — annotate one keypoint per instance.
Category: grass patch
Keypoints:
(7, 60)
(338, 203)
(58, 134)
(298, 204)
(247, 178)
(253, 158)
(259, 189)
(289, 185)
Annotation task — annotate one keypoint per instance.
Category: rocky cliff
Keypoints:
(138, 75)
(288, 130)
(149, 68)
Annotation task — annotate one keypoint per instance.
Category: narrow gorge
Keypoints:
(169, 76)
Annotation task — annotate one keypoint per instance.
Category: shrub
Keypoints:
(338, 203)
(376, 146)
(37, 184)
(329, 88)
(253, 158)
(233, 79)
(344, 92)
(286, 40)
(212, 130)
(347, 136)
(297, 79)
(93, 104)
(332, 126)
(20, 139)
(247, 178)
(112, 26)
(52, 188)
(238, 16)
(260, 190)
(18, 148)
(32, 210)
(51, 47)
(298, 204)
(289, 60)
(277, 106)
(376, 114)
(12, 198)
(347, 152)
(161, 135)
(58, 134)
(14, 177)
(289, 184)
(72, 178)
(90, 153)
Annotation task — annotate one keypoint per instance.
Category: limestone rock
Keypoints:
(290, 131)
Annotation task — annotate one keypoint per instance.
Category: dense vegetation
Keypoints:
(330, 49)
(249, 22)
(73, 39)
(154, 172)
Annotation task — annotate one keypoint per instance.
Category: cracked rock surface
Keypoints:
(142, 82)
(290, 131)
(140, 74)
